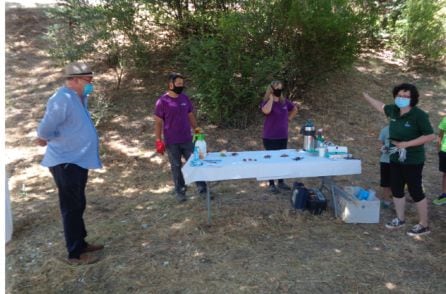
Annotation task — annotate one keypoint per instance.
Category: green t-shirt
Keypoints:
(442, 126)
(406, 127)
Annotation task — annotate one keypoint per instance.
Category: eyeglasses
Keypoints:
(88, 80)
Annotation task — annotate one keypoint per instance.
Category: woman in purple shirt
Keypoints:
(278, 111)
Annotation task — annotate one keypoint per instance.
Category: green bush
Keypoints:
(294, 40)
(190, 17)
(421, 30)
(319, 36)
(114, 31)
(230, 68)
(73, 33)
(231, 49)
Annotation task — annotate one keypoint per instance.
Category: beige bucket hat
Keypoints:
(77, 69)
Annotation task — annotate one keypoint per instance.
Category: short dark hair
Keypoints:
(407, 87)
(175, 75)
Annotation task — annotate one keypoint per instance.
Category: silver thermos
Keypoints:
(309, 133)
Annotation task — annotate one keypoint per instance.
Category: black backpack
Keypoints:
(317, 203)
(299, 197)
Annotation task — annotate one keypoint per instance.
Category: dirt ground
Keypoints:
(255, 244)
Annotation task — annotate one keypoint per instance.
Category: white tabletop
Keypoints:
(256, 164)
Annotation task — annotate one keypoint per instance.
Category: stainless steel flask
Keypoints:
(309, 132)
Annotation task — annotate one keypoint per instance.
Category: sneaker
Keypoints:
(441, 200)
(273, 189)
(396, 223)
(418, 230)
(284, 186)
(180, 197)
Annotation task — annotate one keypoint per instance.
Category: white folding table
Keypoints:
(267, 165)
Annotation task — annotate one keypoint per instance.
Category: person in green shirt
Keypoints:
(409, 130)
(441, 200)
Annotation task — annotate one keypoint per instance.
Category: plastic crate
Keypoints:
(352, 210)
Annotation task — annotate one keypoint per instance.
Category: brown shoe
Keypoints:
(93, 247)
(83, 260)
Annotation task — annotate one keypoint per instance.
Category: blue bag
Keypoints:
(363, 194)
(299, 197)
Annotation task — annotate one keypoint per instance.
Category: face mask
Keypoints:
(88, 89)
(402, 102)
(178, 90)
(277, 92)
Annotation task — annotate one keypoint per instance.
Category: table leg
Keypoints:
(208, 200)
(328, 183)
(334, 201)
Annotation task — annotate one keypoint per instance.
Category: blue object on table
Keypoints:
(363, 194)
(196, 158)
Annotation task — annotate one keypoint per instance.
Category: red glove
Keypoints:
(160, 147)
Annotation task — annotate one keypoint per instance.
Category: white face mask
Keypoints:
(402, 102)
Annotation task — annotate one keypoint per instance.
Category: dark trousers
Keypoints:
(71, 180)
(410, 174)
(275, 144)
(175, 153)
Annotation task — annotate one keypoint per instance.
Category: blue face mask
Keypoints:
(402, 102)
(88, 89)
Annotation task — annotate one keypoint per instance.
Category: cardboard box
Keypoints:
(352, 210)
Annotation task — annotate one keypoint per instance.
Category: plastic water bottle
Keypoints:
(196, 158)
(201, 144)
(196, 155)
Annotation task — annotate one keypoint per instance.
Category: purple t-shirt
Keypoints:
(175, 114)
(276, 122)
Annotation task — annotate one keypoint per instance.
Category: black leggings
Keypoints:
(410, 174)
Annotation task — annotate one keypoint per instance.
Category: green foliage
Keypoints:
(421, 29)
(112, 30)
(390, 12)
(320, 36)
(367, 22)
(73, 33)
(190, 17)
(230, 68)
(232, 49)
(100, 107)
(293, 40)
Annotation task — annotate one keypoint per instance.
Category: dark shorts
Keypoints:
(407, 174)
(442, 161)
(385, 174)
